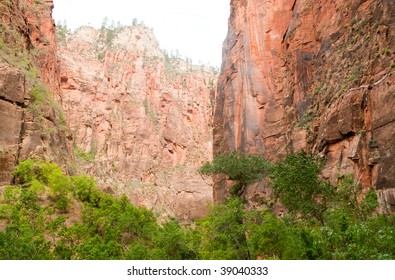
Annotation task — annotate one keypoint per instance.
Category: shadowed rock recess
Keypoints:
(311, 75)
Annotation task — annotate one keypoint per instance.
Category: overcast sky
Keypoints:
(196, 28)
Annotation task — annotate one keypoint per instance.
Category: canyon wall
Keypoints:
(31, 121)
(311, 75)
(141, 118)
(106, 102)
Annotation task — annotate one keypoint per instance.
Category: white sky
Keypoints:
(197, 28)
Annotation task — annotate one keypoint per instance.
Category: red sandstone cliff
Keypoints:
(31, 122)
(140, 119)
(313, 75)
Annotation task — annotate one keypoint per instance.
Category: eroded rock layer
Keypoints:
(312, 75)
(141, 119)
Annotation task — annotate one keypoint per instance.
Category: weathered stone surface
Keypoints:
(144, 117)
(382, 142)
(12, 83)
(35, 25)
(11, 117)
(11, 124)
(27, 60)
(325, 67)
(387, 200)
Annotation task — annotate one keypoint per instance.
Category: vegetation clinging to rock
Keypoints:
(50, 215)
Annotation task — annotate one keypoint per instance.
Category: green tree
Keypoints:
(348, 195)
(241, 168)
(24, 236)
(295, 181)
(270, 237)
(222, 234)
(173, 242)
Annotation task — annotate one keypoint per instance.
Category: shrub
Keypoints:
(38, 173)
(84, 189)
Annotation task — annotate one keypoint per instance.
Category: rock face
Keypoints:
(31, 123)
(141, 120)
(311, 75)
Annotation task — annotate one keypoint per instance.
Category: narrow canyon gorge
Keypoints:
(296, 75)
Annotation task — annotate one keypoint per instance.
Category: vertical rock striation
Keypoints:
(141, 119)
(311, 75)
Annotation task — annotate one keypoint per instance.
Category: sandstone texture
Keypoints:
(311, 75)
(31, 122)
(140, 118)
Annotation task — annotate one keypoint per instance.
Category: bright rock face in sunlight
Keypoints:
(141, 119)
(314, 75)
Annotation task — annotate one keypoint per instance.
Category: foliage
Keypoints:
(272, 238)
(231, 231)
(84, 189)
(241, 168)
(348, 198)
(348, 226)
(24, 236)
(41, 97)
(173, 243)
(106, 227)
(37, 174)
(87, 156)
(222, 234)
(295, 181)
(102, 226)
(109, 32)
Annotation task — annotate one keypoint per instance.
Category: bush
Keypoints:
(37, 174)
(84, 189)
(173, 241)
(27, 171)
(18, 243)
(23, 237)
